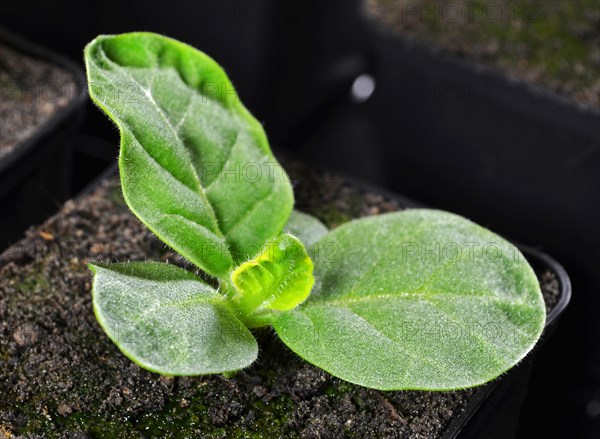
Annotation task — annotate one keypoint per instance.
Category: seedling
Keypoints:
(419, 299)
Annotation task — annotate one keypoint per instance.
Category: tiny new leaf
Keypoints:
(278, 279)
(305, 227)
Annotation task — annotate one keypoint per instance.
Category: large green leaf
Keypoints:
(195, 165)
(420, 299)
(278, 279)
(168, 321)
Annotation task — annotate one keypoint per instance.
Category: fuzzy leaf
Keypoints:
(305, 227)
(195, 166)
(420, 299)
(278, 279)
(168, 321)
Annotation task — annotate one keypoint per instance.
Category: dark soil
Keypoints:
(60, 376)
(555, 44)
(31, 91)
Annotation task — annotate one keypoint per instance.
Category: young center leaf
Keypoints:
(305, 227)
(420, 299)
(278, 279)
(195, 166)
(168, 321)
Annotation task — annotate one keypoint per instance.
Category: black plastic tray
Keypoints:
(35, 176)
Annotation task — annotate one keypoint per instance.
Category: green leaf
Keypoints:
(168, 321)
(305, 227)
(195, 166)
(278, 279)
(420, 299)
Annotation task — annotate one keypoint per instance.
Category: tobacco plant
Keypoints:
(418, 299)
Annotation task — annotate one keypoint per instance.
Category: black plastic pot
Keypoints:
(35, 176)
(493, 411)
(503, 144)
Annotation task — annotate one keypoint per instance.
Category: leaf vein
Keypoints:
(400, 346)
(238, 221)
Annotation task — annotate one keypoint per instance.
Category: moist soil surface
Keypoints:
(60, 376)
(555, 44)
(31, 91)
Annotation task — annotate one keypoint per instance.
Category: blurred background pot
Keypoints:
(42, 97)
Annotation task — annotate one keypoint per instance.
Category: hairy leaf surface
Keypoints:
(168, 321)
(278, 279)
(195, 166)
(420, 299)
